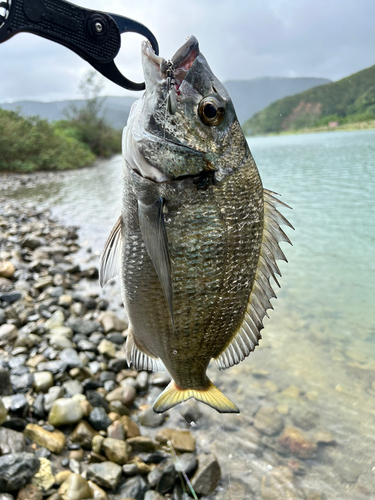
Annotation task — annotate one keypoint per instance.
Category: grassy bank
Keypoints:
(30, 143)
(349, 127)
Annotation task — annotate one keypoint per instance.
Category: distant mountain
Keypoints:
(115, 109)
(248, 96)
(251, 96)
(349, 100)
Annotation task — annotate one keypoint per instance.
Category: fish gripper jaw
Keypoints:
(95, 36)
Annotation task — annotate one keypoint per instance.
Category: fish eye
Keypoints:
(211, 111)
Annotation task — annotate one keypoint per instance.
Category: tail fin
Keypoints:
(211, 396)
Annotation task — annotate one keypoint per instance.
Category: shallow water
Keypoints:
(320, 338)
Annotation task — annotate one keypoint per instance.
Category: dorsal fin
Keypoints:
(110, 259)
(248, 334)
(139, 359)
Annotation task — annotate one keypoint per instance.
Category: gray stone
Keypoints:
(5, 385)
(162, 478)
(17, 404)
(208, 475)
(65, 412)
(268, 420)
(105, 474)
(133, 488)
(83, 434)
(55, 367)
(54, 393)
(149, 418)
(154, 495)
(142, 380)
(109, 385)
(38, 407)
(96, 399)
(72, 387)
(17, 361)
(83, 326)
(116, 450)
(99, 419)
(187, 462)
(71, 358)
(22, 383)
(116, 338)
(303, 418)
(349, 471)
(279, 483)
(11, 441)
(60, 342)
(190, 412)
(16, 470)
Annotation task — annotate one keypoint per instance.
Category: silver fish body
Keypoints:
(197, 240)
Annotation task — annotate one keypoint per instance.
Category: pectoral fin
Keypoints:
(110, 259)
(154, 234)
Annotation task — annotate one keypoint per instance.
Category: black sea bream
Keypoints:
(197, 241)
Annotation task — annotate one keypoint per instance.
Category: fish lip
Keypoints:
(182, 60)
(149, 52)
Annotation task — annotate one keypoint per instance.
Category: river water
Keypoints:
(316, 362)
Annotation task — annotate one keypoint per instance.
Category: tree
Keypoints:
(88, 120)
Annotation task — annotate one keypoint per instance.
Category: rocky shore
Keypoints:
(75, 422)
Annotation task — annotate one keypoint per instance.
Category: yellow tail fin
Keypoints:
(211, 396)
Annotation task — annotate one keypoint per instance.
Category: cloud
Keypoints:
(241, 39)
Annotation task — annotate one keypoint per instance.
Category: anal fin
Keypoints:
(211, 396)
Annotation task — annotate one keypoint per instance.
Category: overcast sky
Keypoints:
(241, 39)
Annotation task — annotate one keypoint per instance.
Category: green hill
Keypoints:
(349, 100)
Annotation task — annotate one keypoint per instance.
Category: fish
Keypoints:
(197, 242)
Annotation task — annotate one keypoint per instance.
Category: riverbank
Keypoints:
(346, 127)
(76, 422)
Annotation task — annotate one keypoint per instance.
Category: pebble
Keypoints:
(116, 451)
(108, 348)
(16, 469)
(111, 322)
(97, 492)
(162, 478)
(54, 441)
(182, 441)
(279, 484)
(131, 428)
(116, 430)
(11, 441)
(44, 479)
(149, 418)
(348, 470)
(8, 332)
(29, 492)
(3, 412)
(133, 488)
(7, 269)
(208, 475)
(64, 412)
(75, 487)
(83, 434)
(106, 474)
(298, 443)
(268, 421)
(99, 419)
(43, 381)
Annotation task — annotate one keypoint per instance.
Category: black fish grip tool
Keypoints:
(93, 35)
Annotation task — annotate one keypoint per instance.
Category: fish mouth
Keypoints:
(182, 60)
